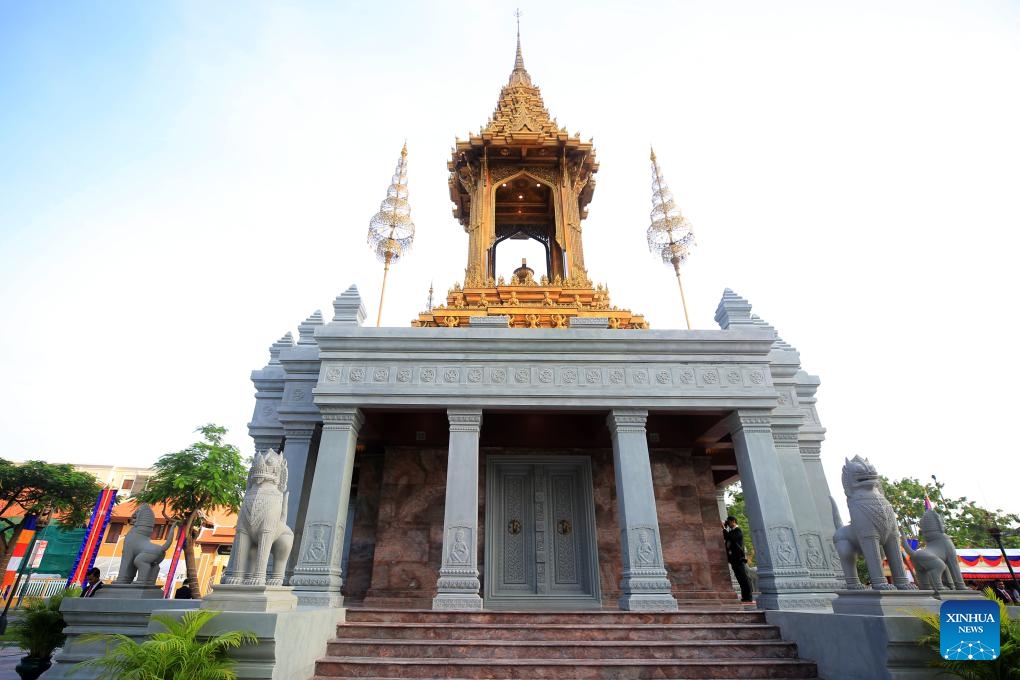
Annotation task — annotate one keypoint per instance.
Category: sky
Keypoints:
(183, 183)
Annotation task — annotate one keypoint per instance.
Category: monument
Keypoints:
(526, 444)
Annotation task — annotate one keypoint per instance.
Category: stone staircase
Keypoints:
(725, 642)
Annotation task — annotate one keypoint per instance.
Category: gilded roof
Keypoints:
(520, 107)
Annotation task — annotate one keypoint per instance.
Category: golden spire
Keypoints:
(669, 234)
(391, 232)
(519, 76)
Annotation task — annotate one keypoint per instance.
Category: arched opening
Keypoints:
(525, 214)
(513, 250)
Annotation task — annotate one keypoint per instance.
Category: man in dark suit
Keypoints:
(93, 583)
(734, 539)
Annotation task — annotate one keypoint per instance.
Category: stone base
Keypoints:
(129, 591)
(856, 647)
(884, 602)
(330, 599)
(457, 602)
(104, 613)
(648, 603)
(796, 601)
(959, 595)
(240, 598)
(289, 643)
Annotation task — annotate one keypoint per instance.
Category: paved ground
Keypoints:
(9, 658)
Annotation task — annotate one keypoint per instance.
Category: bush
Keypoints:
(177, 654)
(40, 630)
(1006, 667)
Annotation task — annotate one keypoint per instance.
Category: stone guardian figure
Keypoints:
(262, 525)
(936, 564)
(141, 556)
(872, 529)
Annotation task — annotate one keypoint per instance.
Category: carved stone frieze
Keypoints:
(671, 377)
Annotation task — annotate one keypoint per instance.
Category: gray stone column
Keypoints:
(805, 513)
(458, 584)
(809, 439)
(295, 452)
(720, 501)
(644, 584)
(317, 579)
(783, 580)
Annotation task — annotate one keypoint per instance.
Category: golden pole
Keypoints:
(385, 271)
(683, 300)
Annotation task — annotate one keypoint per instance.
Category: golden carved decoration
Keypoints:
(524, 176)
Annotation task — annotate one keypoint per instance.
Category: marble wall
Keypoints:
(396, 547)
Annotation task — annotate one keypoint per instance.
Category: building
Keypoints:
(527, 445)
(62, 546)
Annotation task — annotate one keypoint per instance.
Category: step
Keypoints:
(553, 649)
(557, 631)
(564, 669)
(733, 614)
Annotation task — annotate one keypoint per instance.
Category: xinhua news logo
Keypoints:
(969, 630)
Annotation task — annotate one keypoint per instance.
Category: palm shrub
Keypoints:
(1006, 667)
(177, 654)
(40, 630)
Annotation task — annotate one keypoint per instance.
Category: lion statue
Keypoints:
(872, 529)
(141, 556)
(936, 564)
(262, 525)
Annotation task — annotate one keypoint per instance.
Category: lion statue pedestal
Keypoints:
(262, 532)
(251, 595)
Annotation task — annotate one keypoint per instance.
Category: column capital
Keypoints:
(785, 436)
(627, 420)
(299, 430)
(350, 419)
(465, 419)
(750, 421)
(811, 453)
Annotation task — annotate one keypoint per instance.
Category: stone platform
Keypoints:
(733, 642)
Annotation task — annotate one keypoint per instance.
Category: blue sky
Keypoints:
(182, 183)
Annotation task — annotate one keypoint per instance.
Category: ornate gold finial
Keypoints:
(669, 235)
(652, 157)
(391, 231)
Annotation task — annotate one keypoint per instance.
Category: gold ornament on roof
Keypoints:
(669, 234)
(391, 231)
(524, 177)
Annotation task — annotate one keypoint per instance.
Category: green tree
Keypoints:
(42, 489)
(966, 522)
(206, 476)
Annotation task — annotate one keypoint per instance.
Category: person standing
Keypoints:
(999, 588)
(93, 583)
(734, 539)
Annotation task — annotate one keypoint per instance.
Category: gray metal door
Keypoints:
(540, 533)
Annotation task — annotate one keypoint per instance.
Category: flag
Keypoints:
(169, 585)
(28, 528)
(93, 535)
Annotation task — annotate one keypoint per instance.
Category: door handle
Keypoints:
(563, 527)
(514, 527)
